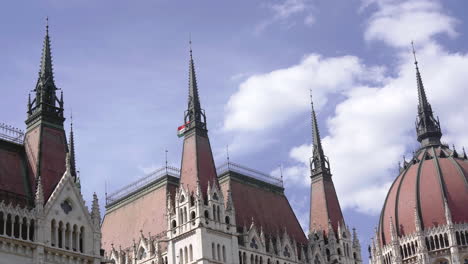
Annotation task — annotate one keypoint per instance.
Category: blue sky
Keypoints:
(123, 68)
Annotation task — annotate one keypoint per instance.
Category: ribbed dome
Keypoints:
(435, 177)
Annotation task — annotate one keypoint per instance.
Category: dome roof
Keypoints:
(434, 180)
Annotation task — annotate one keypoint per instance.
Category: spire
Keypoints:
(319, 163)
(39, 197)
(448, 214)
(46, 70)
(45, 102)
(393, 232)
(198, 167)
(427, 127)
(194, 115)
(95, 211)
(71, 150)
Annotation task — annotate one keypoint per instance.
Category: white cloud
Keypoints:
(397, 22)
(267, 100)
(373, 126)
(284, 12)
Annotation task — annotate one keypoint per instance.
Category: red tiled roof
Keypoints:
(425, 184)
(13, 178)
(269, 209)
(123, 222)
(324, 206)
(197, 163)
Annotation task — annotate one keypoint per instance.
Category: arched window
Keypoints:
(192, 217)
(67, 236)
(81, 242)
(60, 234)
(217, 213)
(192, 200)
(215, 196)
(142, 254)
(181, 256)
(185, 214)
(186, 255)
(218, 252)
(16, 227)
(214, 212)
(286, 252)
(207, 216)
(53, 233)
(9, 221)
(442, 261)
(191, 252)
(182, 198)
(213, 251)
(75, 237)
(240, 258)
(24, 228)
(227, 221)
(174, 225)
(224, 253)
(31, 229)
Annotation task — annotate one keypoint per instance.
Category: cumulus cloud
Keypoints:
(270, 99)
(373, 126)
(398, 22)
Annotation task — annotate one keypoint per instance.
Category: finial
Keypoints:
(455, 153)
(166, 157)
(190, 43)
(281, 171)
(464, 154)
(47, 24)
(227, 153)
(414, 54)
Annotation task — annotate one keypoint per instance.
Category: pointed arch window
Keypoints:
(286, 252)
(142, 254)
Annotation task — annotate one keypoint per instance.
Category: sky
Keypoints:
(123, 68)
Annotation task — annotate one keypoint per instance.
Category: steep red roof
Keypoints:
(197, 163)
(14, 184)
(46, 148)
(432, 177)
(145, 211)
(324, 206)
(265, 204)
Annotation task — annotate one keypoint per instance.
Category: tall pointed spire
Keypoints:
(427, 127)
(325, 207)
(46, 70)
(319, 163)
(71, 149)
(46, 103)
(198, 171)
(194, 115)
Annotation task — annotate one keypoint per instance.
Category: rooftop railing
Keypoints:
(148, 179)
(175, 172)
(231, 166)
(11, 134)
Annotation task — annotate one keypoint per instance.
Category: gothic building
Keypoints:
(43, 217)
(201, 213)
(425, 215)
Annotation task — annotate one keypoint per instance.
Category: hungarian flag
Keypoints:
(181, 130)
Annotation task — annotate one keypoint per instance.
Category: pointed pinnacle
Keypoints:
(46, 70)
(194, 100)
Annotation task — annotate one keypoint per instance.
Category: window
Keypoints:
(286, 252)
(224, 253)
(442, 261)
(142, 254)
(215, 196)
(213, 253)
(191, 252)
(465, 261)
(182, 198)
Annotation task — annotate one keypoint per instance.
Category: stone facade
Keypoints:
(61, 230)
